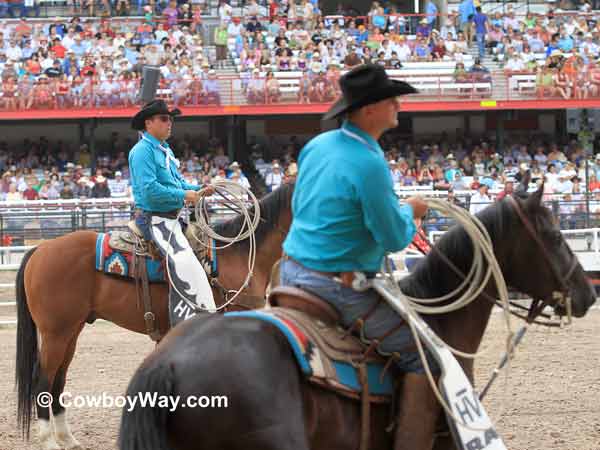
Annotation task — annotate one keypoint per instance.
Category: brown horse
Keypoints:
(59, 290)
(271, 406)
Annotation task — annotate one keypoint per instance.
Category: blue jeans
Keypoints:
(352, 305)
(480, 37)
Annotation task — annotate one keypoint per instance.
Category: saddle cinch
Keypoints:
(327, 355)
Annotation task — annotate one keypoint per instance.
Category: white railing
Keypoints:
(585, 243)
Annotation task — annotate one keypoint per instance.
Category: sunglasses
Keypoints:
(165, 118)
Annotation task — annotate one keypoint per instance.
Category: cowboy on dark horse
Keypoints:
(345, 221)
(159, 193)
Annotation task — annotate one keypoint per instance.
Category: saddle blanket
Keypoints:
(327, 367)
(115, 260)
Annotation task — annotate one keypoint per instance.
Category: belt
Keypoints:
(167, 215)
(345, 278)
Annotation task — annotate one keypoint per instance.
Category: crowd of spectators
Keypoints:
(469, 173)
(98, 62)
(50, 171)
(91, 63)
(474, 174)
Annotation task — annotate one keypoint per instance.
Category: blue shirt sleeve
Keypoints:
(145, 177)
(391, 224)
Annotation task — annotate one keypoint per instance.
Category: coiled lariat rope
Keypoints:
(235, 197)
(483, 268)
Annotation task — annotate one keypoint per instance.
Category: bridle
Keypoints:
(560, 297)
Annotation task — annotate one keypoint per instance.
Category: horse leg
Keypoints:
(419, 410)
(54, 347)
(63, 433)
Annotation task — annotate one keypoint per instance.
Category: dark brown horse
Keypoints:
(58, 290)
(272, 407)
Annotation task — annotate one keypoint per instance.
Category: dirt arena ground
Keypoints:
(553, 401)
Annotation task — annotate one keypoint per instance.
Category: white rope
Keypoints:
(474, 283)
(236, 196)
(476, 279)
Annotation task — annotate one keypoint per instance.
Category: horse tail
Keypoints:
(27, 351)
(144, 426)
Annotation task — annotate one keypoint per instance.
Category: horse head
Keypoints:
(539, 261)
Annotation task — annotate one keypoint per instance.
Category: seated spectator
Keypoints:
(255, 92)
(460, 73)
(422, 51)
(195, 90)
(438, 51)
(30, 193)
(562, 84)
(480, 200)
(100, 189)
(67, 192)
(394, 62)
(304, 87)
(321, 90)
(84, 188)
(180, 89)
(210, 92)
(544, 82)
(13, 194)
(514, 64)
(352, 59)
(458, 184)
(42, 94)
(9, 93)
(479, 73)
(119, 187)
(108, 92)
(273, 91)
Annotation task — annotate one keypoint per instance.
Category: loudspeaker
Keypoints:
(149, 85)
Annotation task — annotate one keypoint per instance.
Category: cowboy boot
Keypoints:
(417, 414)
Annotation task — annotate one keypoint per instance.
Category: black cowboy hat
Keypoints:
(365, 85)
(151, 109)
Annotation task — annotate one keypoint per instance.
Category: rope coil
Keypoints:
(473, 285)
(235, 197)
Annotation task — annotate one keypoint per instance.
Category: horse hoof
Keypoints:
(73, 445)
(69, 443)
(51, 445)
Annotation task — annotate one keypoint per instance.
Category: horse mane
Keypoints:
(271, 206)
(432, 277)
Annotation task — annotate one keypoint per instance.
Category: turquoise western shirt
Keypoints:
(346, 215)
(156, 187)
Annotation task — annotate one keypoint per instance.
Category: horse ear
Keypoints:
(535, 199)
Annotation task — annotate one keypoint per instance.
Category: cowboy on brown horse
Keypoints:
(345, 222)
(159, 193)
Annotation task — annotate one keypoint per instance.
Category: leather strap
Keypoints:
(365, 408)
(141, 277)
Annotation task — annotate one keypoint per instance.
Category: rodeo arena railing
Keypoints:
(25, 224)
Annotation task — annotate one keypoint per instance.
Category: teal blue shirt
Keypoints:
(155, 187)
(346, 215)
